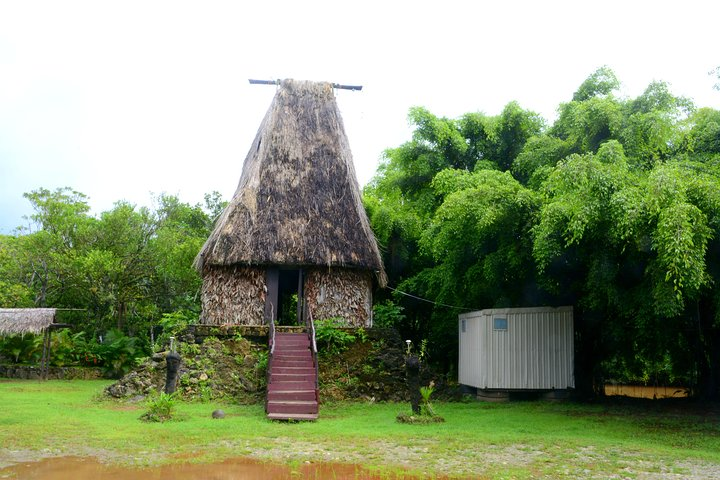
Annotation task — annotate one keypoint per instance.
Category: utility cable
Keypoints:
(429, 301)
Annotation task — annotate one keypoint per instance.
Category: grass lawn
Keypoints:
(512, 440)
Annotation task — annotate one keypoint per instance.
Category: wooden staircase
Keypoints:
(292, 379)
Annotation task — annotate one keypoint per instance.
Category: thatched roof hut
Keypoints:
(17, 321)
(297, 206)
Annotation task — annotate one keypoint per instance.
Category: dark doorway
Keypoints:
(285, 296)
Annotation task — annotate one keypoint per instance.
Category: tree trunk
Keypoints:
(709, 351)
(588, 381)
(121, 316)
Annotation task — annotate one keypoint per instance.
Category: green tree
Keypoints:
(50, 254)
(512, 130)
(613, 209)
(118, 267)
(703, 138)
(475, 238)
(601, 83)
(416, 183)
(538, 156)
(650, 131)
(14, 291)
(182, 230)
(630, 249)
(61, 213)
(126, 267)
(585, 125)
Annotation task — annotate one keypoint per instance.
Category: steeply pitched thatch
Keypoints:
(15, 321)
(298, 201)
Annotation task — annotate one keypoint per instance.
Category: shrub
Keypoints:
(161, 408)
(427, 412)
(173, 324)
(262, 362)
(117, 353)
(426, 407)
(22, 348)
(331, 339)
(67, 348)
(387, 315)
(205, 393)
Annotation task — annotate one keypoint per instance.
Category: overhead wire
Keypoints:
(430, 301)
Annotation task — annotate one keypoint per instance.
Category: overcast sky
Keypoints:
(119, 100)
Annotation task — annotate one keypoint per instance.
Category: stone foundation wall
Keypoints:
(32, 372)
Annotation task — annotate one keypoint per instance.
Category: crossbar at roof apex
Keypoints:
(277, 82)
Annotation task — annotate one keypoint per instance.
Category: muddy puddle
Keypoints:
(83, 468)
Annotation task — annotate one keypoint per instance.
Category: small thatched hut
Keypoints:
(19, 321)
(295, 239)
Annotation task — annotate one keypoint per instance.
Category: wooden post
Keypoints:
(300, 299)
(45, 359)
(272, 280)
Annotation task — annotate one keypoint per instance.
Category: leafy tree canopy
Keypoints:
(614, 208)
(125, 267)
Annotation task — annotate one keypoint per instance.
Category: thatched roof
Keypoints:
(14, 321)
(298, 201)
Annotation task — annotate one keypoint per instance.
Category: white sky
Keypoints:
(121, 99)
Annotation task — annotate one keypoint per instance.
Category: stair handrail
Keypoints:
(271, 341)
(312, 332)
(311, 323)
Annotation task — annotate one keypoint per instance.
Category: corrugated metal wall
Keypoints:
(535, 351)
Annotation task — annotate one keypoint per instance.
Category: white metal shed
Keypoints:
(517, 348)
